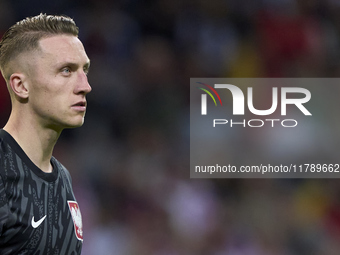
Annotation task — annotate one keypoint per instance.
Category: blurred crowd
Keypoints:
(130, 160)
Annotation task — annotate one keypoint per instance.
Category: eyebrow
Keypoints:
(74, 65)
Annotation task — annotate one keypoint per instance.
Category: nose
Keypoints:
(83, 86)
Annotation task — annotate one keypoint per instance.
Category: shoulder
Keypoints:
(64, 177)
(4, 210)
(64, 173)
(6, 155)
(3, 143)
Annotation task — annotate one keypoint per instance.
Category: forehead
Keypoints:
(62, 48)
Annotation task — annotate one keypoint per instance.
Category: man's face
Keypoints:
(58, 82)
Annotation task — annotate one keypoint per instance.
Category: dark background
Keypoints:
(130, 160)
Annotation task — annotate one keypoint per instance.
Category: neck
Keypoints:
(36, 141)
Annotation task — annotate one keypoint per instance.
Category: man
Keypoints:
(45, 67)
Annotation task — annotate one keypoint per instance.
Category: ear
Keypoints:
(19, 86)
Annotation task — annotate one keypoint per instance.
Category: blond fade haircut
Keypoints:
(24, 36)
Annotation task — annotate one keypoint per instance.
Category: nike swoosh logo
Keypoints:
(36, 224)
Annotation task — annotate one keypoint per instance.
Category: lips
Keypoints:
(82, 103)
(80, 106)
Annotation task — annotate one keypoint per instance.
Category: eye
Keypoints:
(86, 70)
(66, 70)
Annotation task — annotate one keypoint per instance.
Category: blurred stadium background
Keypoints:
(130, 160)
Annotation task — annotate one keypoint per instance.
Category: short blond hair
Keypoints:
(24, 36)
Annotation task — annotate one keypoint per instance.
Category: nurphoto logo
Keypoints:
(238, 107)
(264, 127)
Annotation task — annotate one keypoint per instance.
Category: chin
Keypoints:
(77, 125)
(66, 124)
(74, 124)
